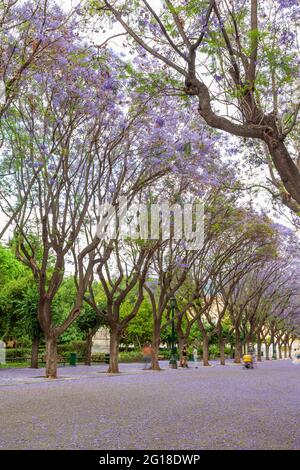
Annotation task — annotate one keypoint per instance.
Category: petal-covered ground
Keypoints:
(205, 408)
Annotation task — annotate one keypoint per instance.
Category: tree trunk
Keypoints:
(267, 352)
(279, 351)
(88, 349)
(237, 349)
(181, 343)
(285, 166)
(290, 351)
(155, 346)
(35, 353)
(274, 351)
(114, 351)
(258, 349)
(206, 351)
(222, 351)
(285, 350)
(51, 356)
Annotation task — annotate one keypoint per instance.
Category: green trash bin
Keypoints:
(106, 358)
(73, 359)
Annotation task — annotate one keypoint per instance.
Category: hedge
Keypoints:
(18, 353)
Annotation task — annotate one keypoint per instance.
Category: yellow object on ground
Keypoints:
(247, 358)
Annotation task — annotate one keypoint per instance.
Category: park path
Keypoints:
(204, 408)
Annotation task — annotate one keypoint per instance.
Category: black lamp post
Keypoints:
(173, 360)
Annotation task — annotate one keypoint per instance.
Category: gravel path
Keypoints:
(206, 408)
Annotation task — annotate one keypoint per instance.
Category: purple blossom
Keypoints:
(286, 37)
(159, 122)
(287, 3)
(217, 77)
(38, 164)
(180, 147)
(108, 85)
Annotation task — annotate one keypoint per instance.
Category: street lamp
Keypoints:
(173, 360)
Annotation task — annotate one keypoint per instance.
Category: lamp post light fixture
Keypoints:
(173, 359)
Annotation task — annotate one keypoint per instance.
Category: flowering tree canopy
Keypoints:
(240, 60)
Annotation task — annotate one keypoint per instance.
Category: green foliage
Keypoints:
(18, 307)
(18, 353)
(194, 7)
(14, 365)
(139, 330)
(26, 309)
(214, 351)
(132, 356)
(10, 267)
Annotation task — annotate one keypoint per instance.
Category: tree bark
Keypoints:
(285, 166)
(181, 343)
(285, 350)
(279, 351)
(114, 351)
(290, 351)
(51, 356)
(237, 348)
(267, 352)
(155, 345)
(88, 349)
(206, 351)
(258, 349)
(35, 353)
(222, 351)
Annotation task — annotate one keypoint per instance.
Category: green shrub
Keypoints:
(17, 353)
(73, 346)
(164, 353)
(132, 356)
(98, 357)
(214, 351)
(23, 343)
(16, 365)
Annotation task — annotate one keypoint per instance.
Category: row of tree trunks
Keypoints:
(51, 351)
